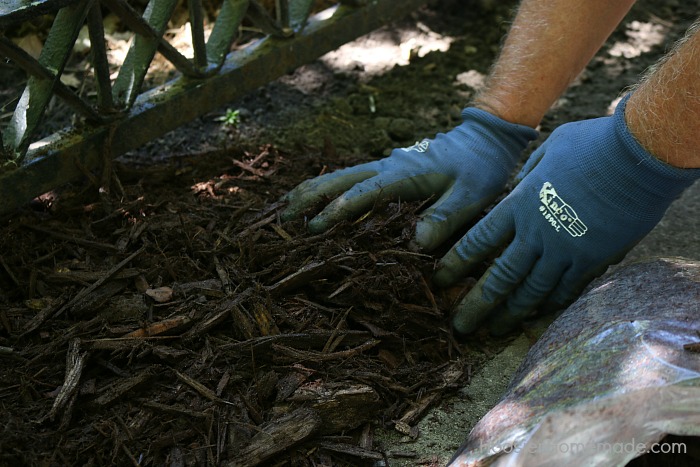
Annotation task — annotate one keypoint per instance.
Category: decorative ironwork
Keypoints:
(122, 115)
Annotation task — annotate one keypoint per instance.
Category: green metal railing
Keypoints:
(122, 115)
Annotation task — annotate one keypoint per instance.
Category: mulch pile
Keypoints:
(173, 320)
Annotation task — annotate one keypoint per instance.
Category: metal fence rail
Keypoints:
(122, 116)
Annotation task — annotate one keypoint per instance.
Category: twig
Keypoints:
(299, 355)
(223, 277)
(248, 168)
(80, 241)
(75, 362)
(100, 281)
(200, 388)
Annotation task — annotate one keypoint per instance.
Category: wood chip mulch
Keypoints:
(173, 320)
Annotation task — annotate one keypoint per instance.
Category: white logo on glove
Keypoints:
(420, 146)
(558, 213)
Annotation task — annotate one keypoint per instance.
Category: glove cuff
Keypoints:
(512, 138)
(629, 172)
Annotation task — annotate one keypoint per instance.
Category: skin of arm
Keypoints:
(663, 113)
(548, 45)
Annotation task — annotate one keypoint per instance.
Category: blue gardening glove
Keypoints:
(593, 195)
(466, 168)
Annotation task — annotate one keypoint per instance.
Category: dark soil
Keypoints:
(175, 320)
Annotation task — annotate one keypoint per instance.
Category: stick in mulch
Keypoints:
(75, 363)
(226, 283)
(9, 272)
(278, 436)
(303, 276)
(175, 409)
(159, 327)
(114, 391)
(104, 187)
(352, 450)
(283, 353)
(83, 293)
(447, 378)
(199, 387)
(44, 314)
(80, 241)
(216, 317)
(341, 408)
(262, 346)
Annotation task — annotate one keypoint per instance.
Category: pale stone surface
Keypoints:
(445, 427)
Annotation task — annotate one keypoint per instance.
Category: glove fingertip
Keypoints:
(466, 253)
(286, 215)
(477, 306)
(316, 227)
(289, 213)
(449, 269)
(471, 311)
(293, 207)
(428, 235)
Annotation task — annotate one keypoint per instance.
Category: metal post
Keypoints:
(39, 90)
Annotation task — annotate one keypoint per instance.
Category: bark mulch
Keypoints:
(173, 320)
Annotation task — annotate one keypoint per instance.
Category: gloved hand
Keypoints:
(590, 193)
(466, 168)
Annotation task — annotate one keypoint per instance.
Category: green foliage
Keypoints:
(230, 118)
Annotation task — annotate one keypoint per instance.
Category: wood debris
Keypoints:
(217, 339)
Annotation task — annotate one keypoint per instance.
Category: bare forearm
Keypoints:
(549, 43)
(664, 111)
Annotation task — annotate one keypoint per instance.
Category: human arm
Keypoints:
(663, 113)
(548, 45)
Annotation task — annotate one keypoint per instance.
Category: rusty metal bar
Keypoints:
(38, 91)
(36, 70)
(298, 13)
(197, 29)
(52, 161)
(282, 11)
(259, 16)
(128, 84)
(153, 37)
(225, 30)
(100, 63)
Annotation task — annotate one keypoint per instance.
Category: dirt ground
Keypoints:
(176, 321)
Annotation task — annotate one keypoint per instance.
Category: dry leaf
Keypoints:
(161, 294)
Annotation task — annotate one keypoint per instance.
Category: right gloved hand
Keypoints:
(466, 168)
(587, 196)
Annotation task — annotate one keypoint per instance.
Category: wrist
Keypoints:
(509, 108)
(509, 139)
(662, 132)
(619, 165)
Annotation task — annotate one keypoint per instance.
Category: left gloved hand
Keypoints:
(465, 169)
(592, 192)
